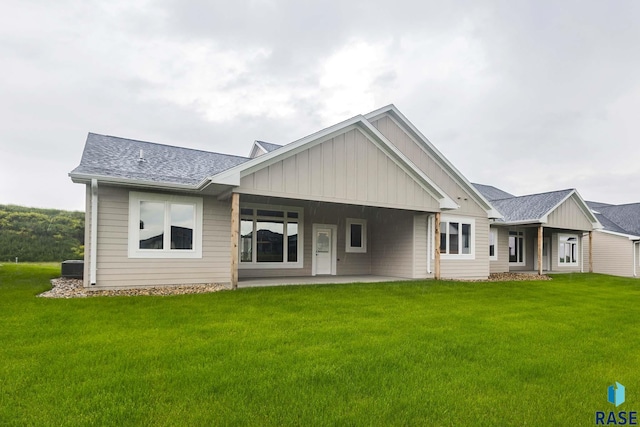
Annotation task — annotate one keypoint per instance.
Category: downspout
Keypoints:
(635, 259)
(94, 232)
(429, 242)
(582, 253)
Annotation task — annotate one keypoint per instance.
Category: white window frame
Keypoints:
(561, 262)
(493, 232)
(168, 199)
(521, 235)
(254, 264)
(355, 249)
(472, 237)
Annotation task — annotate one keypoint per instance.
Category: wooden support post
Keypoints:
(235, 226)
(436, 239)
(591, 252)
(540, 242)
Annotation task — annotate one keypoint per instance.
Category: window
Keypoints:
(493, 244)
(270, 237)
(356, 235)
(457, 237)
(516, 248)
(164, 226)
(567, 249)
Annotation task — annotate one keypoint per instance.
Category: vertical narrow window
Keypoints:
(356, 235)
(516, 247)
(246, 240)
(182, 225)
(151, 225)
(292, 242)
(453, 238)
(466, 238)
(443, 237)
(493, 244)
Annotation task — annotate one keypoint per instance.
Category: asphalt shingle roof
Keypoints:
(269, 146)
(623, 217)
(492, 193)
(119, 158)
(531, 207)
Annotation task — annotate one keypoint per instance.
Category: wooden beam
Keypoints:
(235, 226)
(540, 243)
(591, 252)
(436, 269)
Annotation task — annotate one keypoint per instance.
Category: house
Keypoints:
(550, 231)
(367, 196)
(616, 247)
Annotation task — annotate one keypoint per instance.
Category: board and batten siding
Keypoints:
(501, 265)
(347, 168)
(569, 216)
(477, 268)
(115, 269)
(429, 166)
(612, 254)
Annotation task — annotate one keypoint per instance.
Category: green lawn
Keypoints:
(421, 353)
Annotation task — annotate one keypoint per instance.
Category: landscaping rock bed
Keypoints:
(503, 277)
(72, 288)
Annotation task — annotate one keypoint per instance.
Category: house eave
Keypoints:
(80, 178)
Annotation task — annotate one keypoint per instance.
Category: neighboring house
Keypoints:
(616, 247)
(540, 232)
(370, 195)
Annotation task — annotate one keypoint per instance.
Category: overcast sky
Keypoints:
(527, 96)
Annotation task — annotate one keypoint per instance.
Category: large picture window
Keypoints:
(567, 249)
(270, 237)
(457, 237)
(516, 248)
(164, 226)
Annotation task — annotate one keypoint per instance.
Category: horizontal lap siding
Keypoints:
(612, 254)
(116, 269)
(477, 268)
(392, 248)
(348, 168)
(420, 246)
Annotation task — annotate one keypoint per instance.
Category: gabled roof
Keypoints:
(533, 207)
(233, 175)
(122, 159)
(623, 217)
(492, 193)
(268, 147)
(394, 113)
(596, 205)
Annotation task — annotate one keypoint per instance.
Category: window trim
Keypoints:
(493, 232)
(356, 249)
(523, 235)
(134, 250)
(577, 243)
(472, 237)
(254, 264)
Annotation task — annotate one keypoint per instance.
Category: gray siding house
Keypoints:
(367, 196)
(542, 232)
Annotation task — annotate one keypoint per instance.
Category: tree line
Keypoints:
(33, 234)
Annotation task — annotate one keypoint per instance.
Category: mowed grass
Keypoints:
(418, 353)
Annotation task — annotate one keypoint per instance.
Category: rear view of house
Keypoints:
(367, 196)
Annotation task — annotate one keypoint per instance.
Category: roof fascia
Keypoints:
(396, 115)
(615, 233)
(85, 178)
(233, 175)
